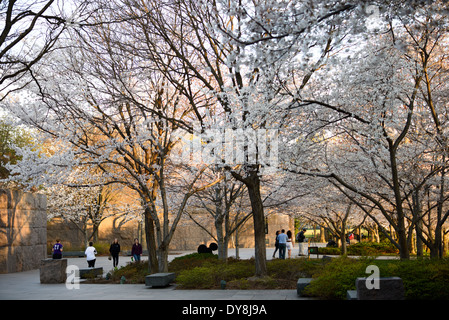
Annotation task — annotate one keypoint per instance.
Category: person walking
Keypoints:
(136, 250)
(301, 242)
(90, 255)
(276, 243)
(57, 250)
(282, 238)
(114, 250)
(289, 243)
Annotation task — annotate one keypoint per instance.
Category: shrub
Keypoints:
(240, 284)
(102, 247)
(196, 278)
(363, 249)
(191, 261)
(134, 272)
(371, 248)
(336, 277)
(292, 269)
(209, 275)
(424, 279)
(236, 270)
(329, 250)
(238, 274)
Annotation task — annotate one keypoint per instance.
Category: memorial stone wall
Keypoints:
(23, 230)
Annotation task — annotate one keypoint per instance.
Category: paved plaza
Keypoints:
(26, 286)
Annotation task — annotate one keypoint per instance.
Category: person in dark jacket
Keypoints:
(301, 238)
(114, 250)
(276, 243)
(136, 250)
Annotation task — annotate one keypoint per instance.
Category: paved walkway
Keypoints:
(27, 286)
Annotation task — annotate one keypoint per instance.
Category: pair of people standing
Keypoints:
(114, 250)
(284, 242)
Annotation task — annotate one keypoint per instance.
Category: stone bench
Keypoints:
(159, 279)
(390, 288)
(301, 284)
(351, 295)
(53, 271)
(89, 272)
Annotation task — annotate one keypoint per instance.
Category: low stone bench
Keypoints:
(302, 284)
(351, 295)
(89, 272)
(390, 288)
(159, 279)
(53, 271)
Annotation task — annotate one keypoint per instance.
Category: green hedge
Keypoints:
(238, 274)
(371, 248)
(423, 279)
(363, 249)
(335, 278)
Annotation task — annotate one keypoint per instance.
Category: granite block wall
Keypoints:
(23, 230)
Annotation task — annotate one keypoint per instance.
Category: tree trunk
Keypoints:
(400, 227)
(322, 234)
(343, 249)
(153, 266)
(252, 183)
(419, 242)
(260, 253)
(436, 249)
(237, 244)
(162, 254)
(222, 244)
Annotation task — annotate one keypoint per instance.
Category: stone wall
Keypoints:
(188, 236)
(23, 230)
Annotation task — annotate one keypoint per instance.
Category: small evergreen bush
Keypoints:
(191, 261)
(371, 249)
(197, 278)
(424, 279)
(335, 278)
(134, 272)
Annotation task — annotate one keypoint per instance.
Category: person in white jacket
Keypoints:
(90, 255)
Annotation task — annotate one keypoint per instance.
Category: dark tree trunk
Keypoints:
(153, 266)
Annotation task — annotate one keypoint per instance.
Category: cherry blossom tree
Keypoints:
(85, 208)
(376, 117)
(107, 110)
(219, 202)
(238, 42)
(313, 86)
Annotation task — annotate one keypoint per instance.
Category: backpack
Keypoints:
(300, 237)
